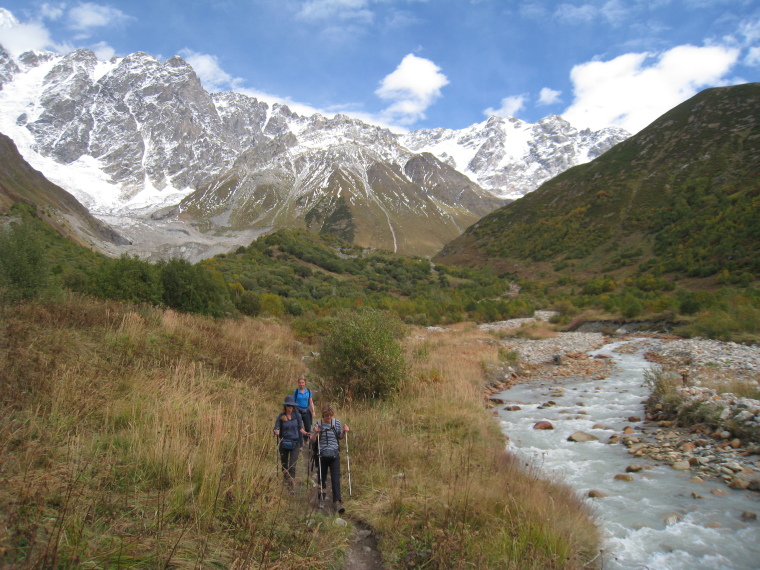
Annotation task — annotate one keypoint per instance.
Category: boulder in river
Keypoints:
(543, 424)
(580, 436)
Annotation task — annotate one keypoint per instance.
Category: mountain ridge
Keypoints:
(133, 136)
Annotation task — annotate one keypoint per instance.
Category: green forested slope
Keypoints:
(681, 196)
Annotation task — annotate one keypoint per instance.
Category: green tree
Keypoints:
(194, 289)
(23, 269)
(129, 279)
(362, 355)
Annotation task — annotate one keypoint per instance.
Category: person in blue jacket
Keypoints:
(289, 429)
(304, 405)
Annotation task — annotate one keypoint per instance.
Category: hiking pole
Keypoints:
(319, 471)
(348, 461)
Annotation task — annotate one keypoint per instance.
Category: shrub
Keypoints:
(23, 270)
(361, 355)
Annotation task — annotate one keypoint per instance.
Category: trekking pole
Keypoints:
(348, 461)
(319, 470)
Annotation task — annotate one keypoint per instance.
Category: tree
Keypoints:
(362, 355)
(194, 289)
(23, 269)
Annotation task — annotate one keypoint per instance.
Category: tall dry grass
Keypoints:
(141, 438)
(437, 482)
(135, 437)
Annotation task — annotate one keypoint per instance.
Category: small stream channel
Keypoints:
(653, 521)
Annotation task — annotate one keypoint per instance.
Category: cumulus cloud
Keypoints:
(548, 96)
(632, 90)
(510, 106)
(209, 71)
(17, 37)
(103, 51)
(413, 87)
(87, 15)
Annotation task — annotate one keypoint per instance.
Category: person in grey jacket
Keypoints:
(289, 429)
(328, 432)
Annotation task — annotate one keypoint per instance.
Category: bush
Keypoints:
(23, 269)
(361, 354)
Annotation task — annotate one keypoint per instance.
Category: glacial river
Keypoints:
(652, 522)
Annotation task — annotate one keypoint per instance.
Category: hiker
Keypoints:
(327, 432)
(305, 405)
(289, 428)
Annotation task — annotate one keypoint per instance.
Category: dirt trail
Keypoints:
(364, 554)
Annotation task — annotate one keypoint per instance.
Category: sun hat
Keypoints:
(289, 400)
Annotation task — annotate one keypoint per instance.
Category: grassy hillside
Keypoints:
(681, 199)
(140, 437)
(21, 183)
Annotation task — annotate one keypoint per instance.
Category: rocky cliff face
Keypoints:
(133, 136)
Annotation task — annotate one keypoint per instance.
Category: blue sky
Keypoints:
(427, 63)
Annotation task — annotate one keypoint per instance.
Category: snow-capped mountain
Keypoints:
(134, 137)
(510, 157)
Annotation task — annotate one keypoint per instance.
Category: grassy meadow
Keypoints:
(138, 437)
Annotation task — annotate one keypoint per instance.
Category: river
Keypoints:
(662, 519)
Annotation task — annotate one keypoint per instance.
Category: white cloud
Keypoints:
(211, 74)
(413, 86)
(634, 89)
(103, 51)
(613, 11)
(336, 9)
(548, 96)
(18, 38)
(509, 106)
(576, 14)
(753, 57)
(52, 12)
(87, 15)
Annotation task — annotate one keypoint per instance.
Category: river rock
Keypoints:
(672, 518)
(633, 468)
(580, 436)
(543, 424)
(681, 466)
(623, 477)
(596, 494)
(747, 516)
(740, 484)
(513, 408)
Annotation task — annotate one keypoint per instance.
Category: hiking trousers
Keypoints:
(288, 459)
(333, 464)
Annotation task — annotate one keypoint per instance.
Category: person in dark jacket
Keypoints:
(328, 432)
(289, 429)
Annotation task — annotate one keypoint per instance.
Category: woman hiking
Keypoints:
(289, 428)
(327, 432)
(304, 405)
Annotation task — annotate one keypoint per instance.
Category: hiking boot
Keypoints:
(339, 508)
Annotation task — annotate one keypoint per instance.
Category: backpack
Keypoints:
(329, 453)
